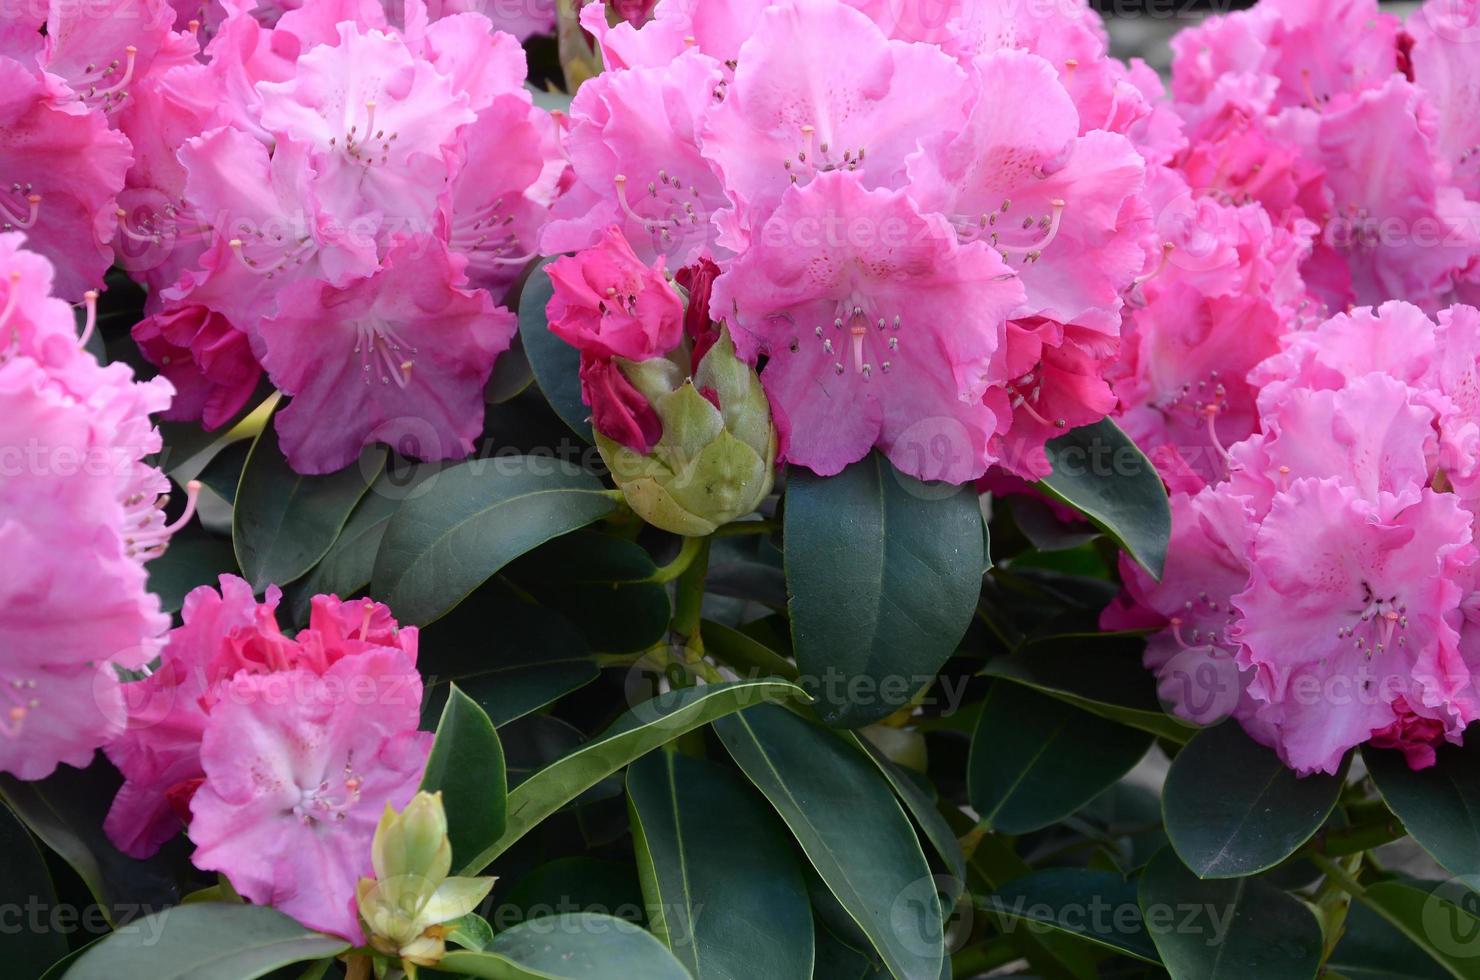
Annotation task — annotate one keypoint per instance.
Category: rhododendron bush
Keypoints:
(738, 489)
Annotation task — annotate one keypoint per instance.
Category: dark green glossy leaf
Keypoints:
(1371, 948)
(743, 652)
(66, 811)
(511, 375)
(599, 582)
(467, 766)
(922, 807)
(195, 557)
(556, 364)
(223, 474)
(1226, 930)
(579, 946)
(25, 884)
(472, 931)
(1101, 473)
(884, 573)
(1440, 805)
(1442, 921)
(346, 568)
(1101, 674)
(1233, 808)
(697, 893)
(631, 736)
(843, 814)
(506, 693)
(1096, 905)
(470, 521)
(204, 941)
(283, 522)
(573, 884)
(1035, 760)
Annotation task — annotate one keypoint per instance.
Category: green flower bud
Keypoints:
(712, 464)
(407, 903)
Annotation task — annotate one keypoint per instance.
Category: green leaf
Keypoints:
(1100, 674)
(1035, 760)
(1371, 948)
(1101, 473)
(697, 892)
(556, 364)
(884, 573)
(467, 766)
(472, 931)
(744, 652)
(470, 521)
(511, 375)
(346, 568)
(283, 522)
(847, 821)
(631, 736)
(194, 558)
(1440, 805)
(1100, 906)
(66, 811)
(1226, 930)
(1441, 922)
(575, 883)
(922, 807)
(509, 692)
(205, 941)
(580, 946)
(25, 884)
(1232, 808)
(600, 583)
(223, 474)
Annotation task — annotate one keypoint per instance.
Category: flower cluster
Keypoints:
(1319, 578)
(81, 512)
(340, 203)
(1323, 593)
(924, 218)
(277, 754)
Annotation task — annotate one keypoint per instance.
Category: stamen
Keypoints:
(131, 54)
(1167, 248)
(90, 299)
(33, 212)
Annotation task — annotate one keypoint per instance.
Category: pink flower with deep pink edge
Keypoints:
(634, 150)
(1348, 609)
(159, 752)
(60, 175)
(223, 635)
(80, 514)
(298, 769)
(207, 359)
(820, 89)
(400, 357)
(609, 303)
(880, 329)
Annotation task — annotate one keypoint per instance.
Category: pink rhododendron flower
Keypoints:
(298, 769)
(1346, 611)
(618, 410)
(1444, 65)
(60, 176)
(633, 143)
(402, 355)
(208, 360)
(820, 89)
(609, 303)
(224, 636)
(880, 329)
(80, 513)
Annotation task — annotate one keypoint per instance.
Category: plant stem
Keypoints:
(689, 597)
(1336, 873)
(692, 548)
(746, 527)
